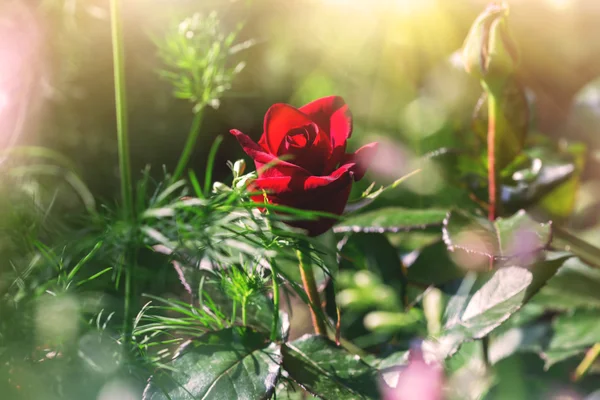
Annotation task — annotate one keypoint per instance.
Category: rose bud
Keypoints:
(489, 51)
(301, 159)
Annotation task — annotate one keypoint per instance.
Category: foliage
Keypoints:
(193, 290)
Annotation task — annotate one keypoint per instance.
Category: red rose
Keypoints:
(316, 174)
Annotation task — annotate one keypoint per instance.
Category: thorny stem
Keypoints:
(493, 115)
(310, 286)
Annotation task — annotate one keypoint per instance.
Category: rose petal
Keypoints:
(299, 187)
(361, 159)
(279, 120)
(332, 115)
(314, 158)
(314, 193)
(261, 158)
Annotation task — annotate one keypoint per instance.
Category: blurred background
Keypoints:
(395, 62)
(390, 59)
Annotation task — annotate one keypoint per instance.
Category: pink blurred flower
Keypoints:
(419, 380)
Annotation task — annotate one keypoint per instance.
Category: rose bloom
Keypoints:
(308, 166)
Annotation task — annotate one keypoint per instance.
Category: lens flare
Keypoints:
(19, 48)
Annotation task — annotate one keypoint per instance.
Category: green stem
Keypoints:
(121, 105)
(210, 163)
(275, 325)
(310, 286)
(233, 312)
(189, 145)
(563, 240)
(244, 303)
(127, 326)
(587, 362)
(123, 145)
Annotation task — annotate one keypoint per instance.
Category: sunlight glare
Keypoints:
(19, 45)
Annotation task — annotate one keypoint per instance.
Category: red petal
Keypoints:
(261, 158)
(279, 120)
(334, 117)
(361, 159)
(305, 185)
(314, 193)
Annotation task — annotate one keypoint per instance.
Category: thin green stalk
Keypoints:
(123, 145)
(127, 326)
(190, 143)
(310, 286)
(275, 325)
(210, 163)
(244, 303)
(121, 105)
(587, 362)
(233, 312)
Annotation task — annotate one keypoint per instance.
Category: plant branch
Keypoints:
(310, 286)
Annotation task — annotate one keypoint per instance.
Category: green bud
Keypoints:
(365, 279)
(393, 322)
(433, 304)
(243, 180)
(490, 52)
(239, 167)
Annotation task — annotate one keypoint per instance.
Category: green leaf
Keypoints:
(575, 330)
(553, 357)
(433, 266)
(476, 310)
(502, 295)
(394, 360)
(575, 285)
(506, 239)
(291, 391)
(228, 364)
(529, 338)
(328, 371)
(362, 251)
(392, 219)
(545, 173)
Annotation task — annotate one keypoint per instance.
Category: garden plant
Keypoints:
(295, 274)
